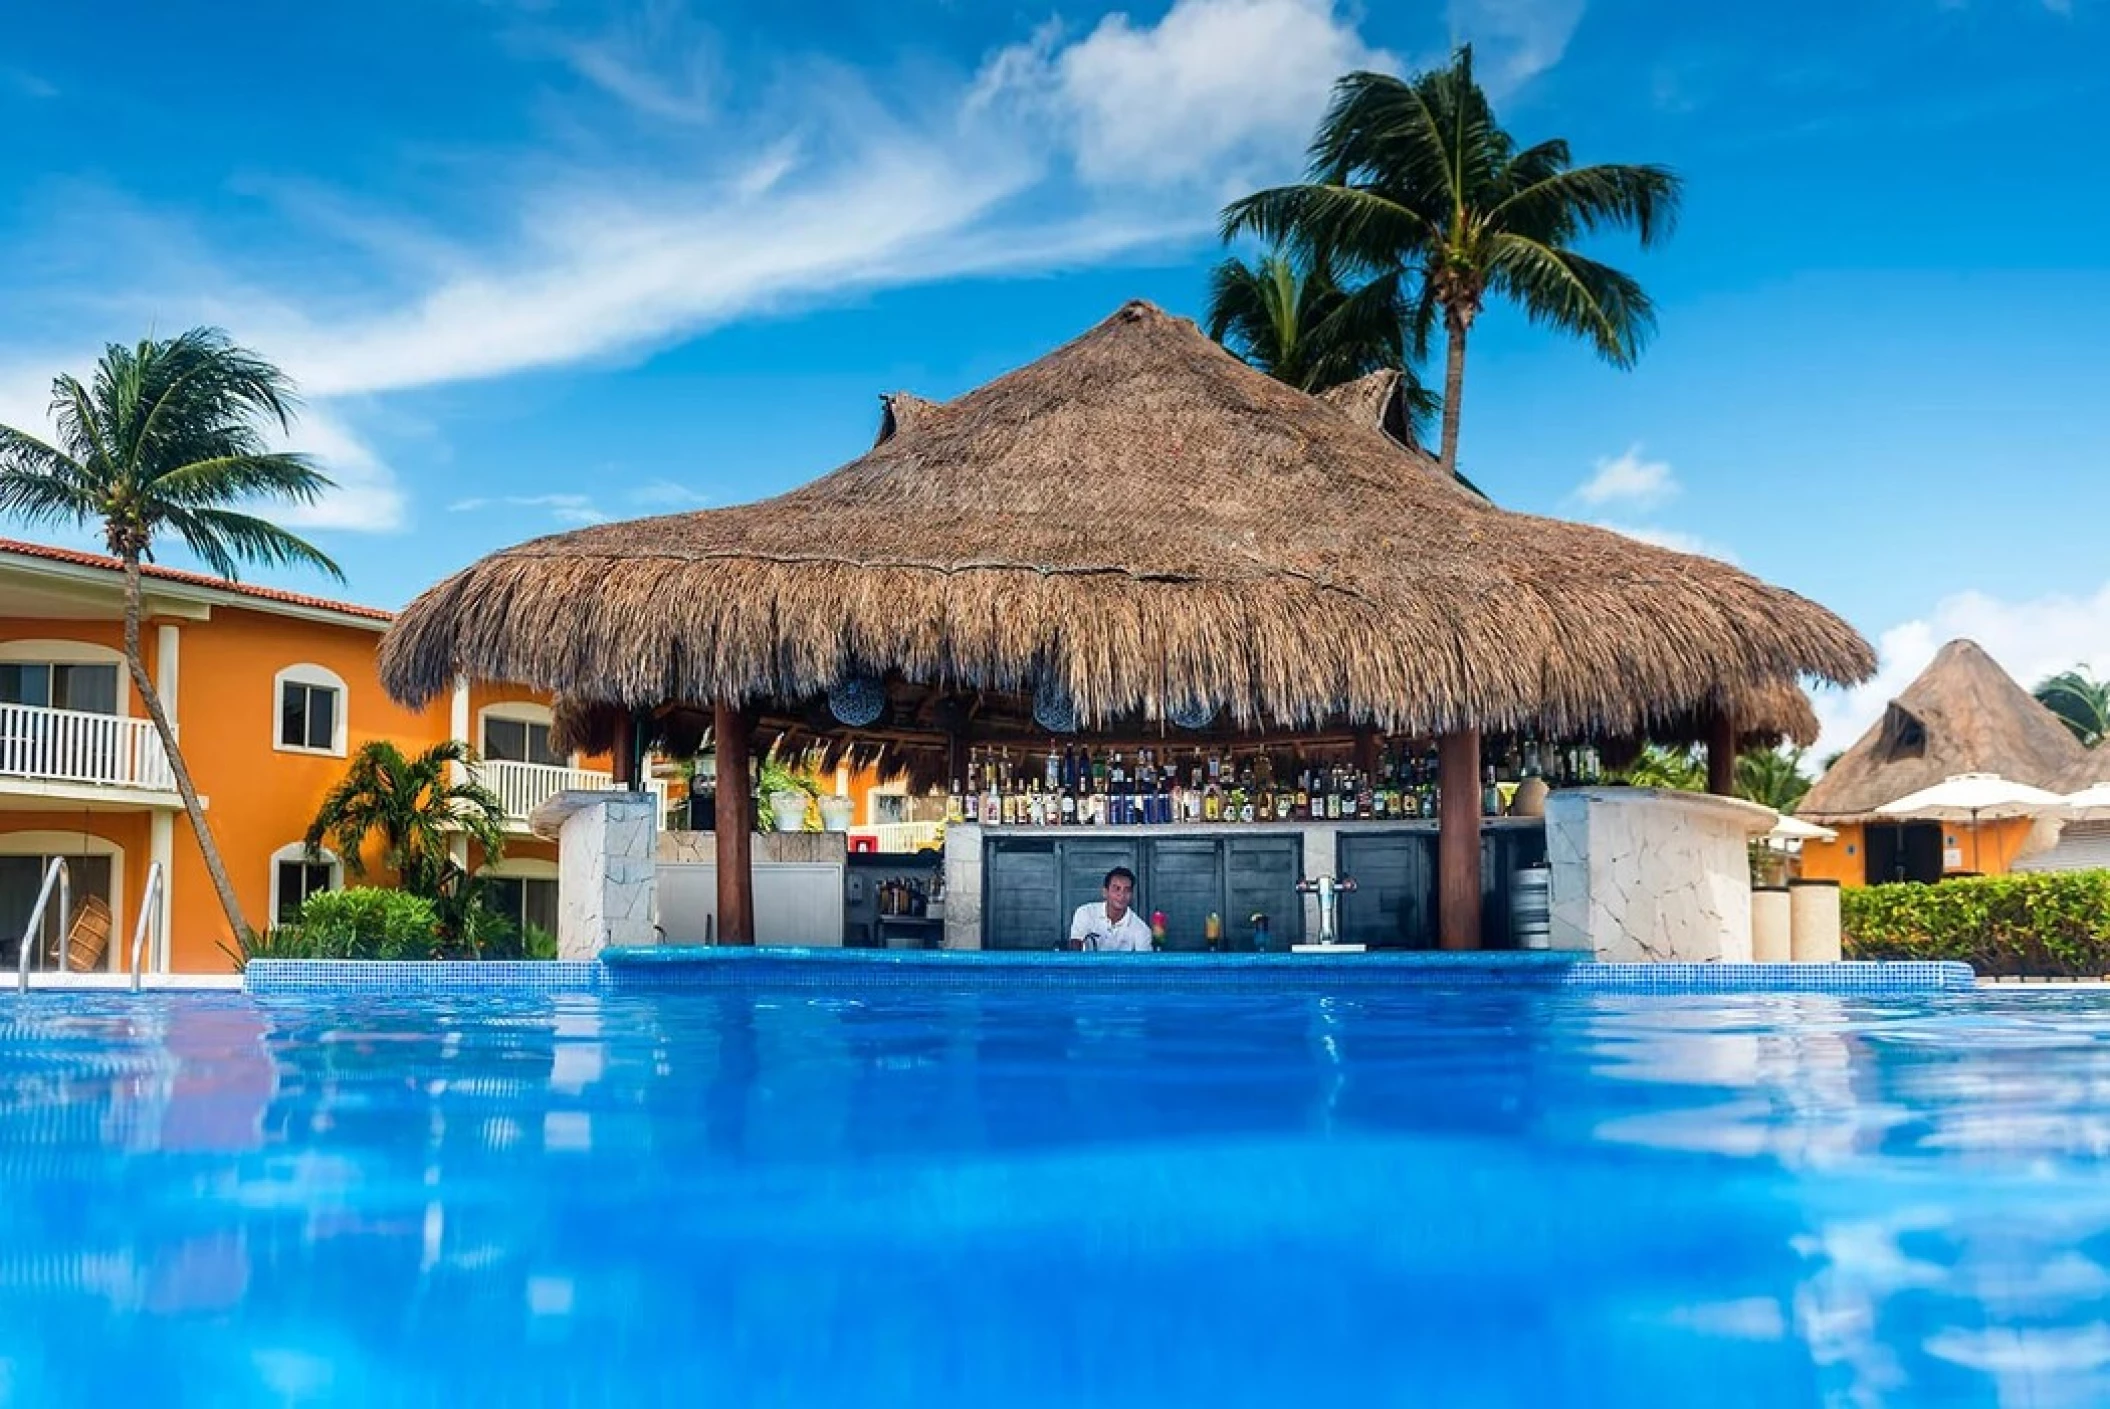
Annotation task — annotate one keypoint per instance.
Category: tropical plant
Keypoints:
(1660, 767)
(166, 438)
(367, 922)
(2082, 704)
(2054, 924)
(1773, 777)
(1299, 324)
(412, 807)
(1416, 175)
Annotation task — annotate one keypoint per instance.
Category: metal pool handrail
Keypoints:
(149, 913)
(55, 871)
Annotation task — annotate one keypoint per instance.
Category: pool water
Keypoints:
(1429, 1196)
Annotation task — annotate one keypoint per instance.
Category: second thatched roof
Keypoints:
(1963, 714)
(1145, 524)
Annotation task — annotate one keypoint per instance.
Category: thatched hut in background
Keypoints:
(1142, 532)
(1963, 714)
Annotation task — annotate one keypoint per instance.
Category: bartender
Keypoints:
(1111, 924)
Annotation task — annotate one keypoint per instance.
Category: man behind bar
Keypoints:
(1111, 925)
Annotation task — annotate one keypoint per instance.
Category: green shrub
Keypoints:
(368, 922)
(2054, 925)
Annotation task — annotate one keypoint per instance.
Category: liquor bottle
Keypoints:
(1053, 777)
(1490, 795)
(1365, 796)
(1301, 805)
(1069, 808)
(1216, 768)
(955, 804)
(1212, 802)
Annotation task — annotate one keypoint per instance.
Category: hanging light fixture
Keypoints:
(1053, 709)
(857, 700)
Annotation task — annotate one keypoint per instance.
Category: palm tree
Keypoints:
(1658, 766)
(1417, 175)
(166, 437)
(413, 805)
(1772, 777)
(1301, 325)
(2082, 704)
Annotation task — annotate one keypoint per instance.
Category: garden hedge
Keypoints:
(2050, 925)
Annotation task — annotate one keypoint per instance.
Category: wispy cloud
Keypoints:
(1629, 479)
(1054, 152)
(1514, 40)
(1676, 540)
(666, 494)
(565, 508)
(23, 83)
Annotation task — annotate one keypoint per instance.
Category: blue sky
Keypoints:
(540, 263)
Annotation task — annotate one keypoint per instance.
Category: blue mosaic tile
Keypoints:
(442, 976)
(1851, 977)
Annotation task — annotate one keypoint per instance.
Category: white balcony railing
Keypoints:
(523, 787)
(903, 836)
(76, 746)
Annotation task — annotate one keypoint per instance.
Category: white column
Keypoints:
(161, 851)
(458, 728)
(167, 675)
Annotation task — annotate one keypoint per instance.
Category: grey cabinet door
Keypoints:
(1185, 880)
(1393, 905)
(1021, 897)
(1084, 868)
(1261, 875)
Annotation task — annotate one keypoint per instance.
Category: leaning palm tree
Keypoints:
(2082, 704)
(1416, 175)
(1297, 322)
(412, 806)
(166, 439)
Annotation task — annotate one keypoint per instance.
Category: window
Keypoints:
(310, 711)
(295, 876)
(525, 900)
(520, 741)
(22, 876)
(59, 685)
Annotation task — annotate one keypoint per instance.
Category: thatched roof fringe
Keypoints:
(1150, 522)
(899, 410)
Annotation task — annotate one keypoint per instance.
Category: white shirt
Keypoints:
(1091, 926)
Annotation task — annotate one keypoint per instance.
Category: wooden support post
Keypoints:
(1721, 754)
(625, 750)
(1458, 840)
(734, 830)
(1366, 752)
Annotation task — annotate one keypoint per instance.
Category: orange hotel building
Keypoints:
(270, 692)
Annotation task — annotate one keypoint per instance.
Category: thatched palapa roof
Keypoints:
(1964, 714)
(1145, 522)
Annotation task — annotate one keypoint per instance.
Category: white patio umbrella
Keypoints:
(1973, 798)
(1795, 829)
(2090, 804)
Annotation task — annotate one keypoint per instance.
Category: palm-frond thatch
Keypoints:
(1142, 523)
(1964, 714)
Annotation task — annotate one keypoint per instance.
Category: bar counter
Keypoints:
(1016, 887)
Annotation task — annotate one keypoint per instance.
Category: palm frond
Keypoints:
(226, 539)
(1583, 200)
(217, 480)
(1562, 289)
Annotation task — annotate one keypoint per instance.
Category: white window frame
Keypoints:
(62, 843)
(298, 851)
(317, 676)
(517, 712)
(57, 652)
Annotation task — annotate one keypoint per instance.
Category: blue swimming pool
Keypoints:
(1509, 1194)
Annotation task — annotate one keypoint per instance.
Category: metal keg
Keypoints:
(1531, 907)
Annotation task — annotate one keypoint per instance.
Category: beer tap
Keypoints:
(1329, 890)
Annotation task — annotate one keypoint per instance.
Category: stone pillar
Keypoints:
(963, 885)
(607, 869)
(1645, 874)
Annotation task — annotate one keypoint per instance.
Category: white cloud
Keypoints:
(657, 63)
(1629, 479)
(565, 508)
(1674, 539)
(1514, 40)
(27, 84)
(1216, 89)
(2030, 639)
